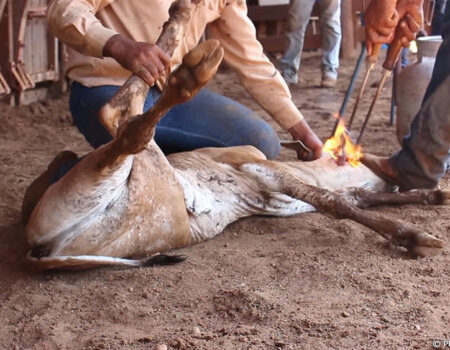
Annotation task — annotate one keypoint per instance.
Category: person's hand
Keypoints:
(302, 132)
(411, 13)
(381, 18)
(145, 60)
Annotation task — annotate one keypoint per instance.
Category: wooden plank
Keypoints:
(312, 42)
(273, 43)
(6, 42)
(4, 87)
(36, 44)
(348, 48)
(278, 42)
(358, 8)
(268, 13)
(30, 96)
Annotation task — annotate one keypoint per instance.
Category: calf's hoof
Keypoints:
(422, 244)
(198, 67)
(424, 252)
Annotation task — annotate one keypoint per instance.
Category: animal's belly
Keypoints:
(217, 194)
(215, 199)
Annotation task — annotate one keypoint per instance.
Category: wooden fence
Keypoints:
(29, 57)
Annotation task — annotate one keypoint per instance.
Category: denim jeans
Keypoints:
(208, 120)
(424, 157)
(299, 15)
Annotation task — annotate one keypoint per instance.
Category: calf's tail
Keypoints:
(83, 262)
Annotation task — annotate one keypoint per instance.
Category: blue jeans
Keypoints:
(423, 159)
(208, 120)
(299, 15)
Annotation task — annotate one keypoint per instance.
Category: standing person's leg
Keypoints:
(438, 15)
(212, 120)
(331, 33)
(298, 18)
(441, 68)
(422, 160)
(425, 153)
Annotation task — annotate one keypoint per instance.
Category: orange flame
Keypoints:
(341, 147)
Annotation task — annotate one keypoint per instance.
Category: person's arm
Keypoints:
(383, 16)
(74, 22)
(244, 54)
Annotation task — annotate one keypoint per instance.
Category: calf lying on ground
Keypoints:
(126, 200)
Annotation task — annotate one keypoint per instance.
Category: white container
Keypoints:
(412, 82)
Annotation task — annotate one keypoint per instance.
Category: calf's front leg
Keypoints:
(364, 199)
(416, 241)
(344, 205)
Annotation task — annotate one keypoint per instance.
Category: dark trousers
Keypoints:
(423, 159)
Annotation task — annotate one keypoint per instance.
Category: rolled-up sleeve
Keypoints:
(74, 23)
(244, 53)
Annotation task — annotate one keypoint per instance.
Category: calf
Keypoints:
(126, 200)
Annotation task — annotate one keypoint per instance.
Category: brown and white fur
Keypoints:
(126, 200)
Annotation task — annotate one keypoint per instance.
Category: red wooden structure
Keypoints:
(29, 56)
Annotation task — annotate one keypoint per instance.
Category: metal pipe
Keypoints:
(370, 68)
(386, 75)
(351, 86)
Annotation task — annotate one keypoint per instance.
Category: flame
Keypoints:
(341, 147)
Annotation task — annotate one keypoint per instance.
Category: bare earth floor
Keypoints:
(306, 282)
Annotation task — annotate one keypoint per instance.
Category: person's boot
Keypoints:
(290, 77)
(328, 81)
(382, 168)
(38, 187)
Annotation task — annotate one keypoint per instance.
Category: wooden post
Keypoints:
(348, 47)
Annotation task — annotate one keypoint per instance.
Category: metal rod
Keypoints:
(393, 101)
(370, 68)
(386, 75)
(351, 86)
(397, 70)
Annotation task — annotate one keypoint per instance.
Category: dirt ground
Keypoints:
(306, 282)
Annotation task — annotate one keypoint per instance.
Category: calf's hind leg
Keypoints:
(129, 100)
(38, 187)
(104, 171)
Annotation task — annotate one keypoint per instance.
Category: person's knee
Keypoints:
(267, 141)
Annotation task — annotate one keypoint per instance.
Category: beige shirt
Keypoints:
(86, 26)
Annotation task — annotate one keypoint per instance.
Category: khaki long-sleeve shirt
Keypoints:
(86, 26)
